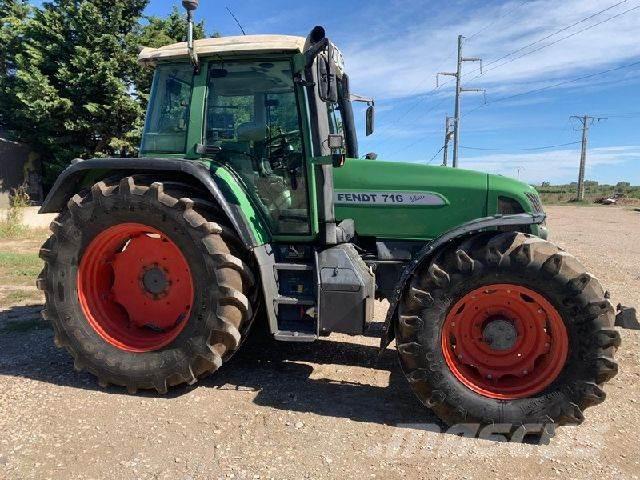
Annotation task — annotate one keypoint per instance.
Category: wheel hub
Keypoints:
(155, 281)
(500, 334)
(504, 341)
(135, 287)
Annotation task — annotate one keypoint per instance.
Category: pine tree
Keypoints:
(70, 84)
(12, 20)
(157, 32)
(72, 87)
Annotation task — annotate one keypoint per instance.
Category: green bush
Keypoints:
(12, 226)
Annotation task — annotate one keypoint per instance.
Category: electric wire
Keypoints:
(555, 42)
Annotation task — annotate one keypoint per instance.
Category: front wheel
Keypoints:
(505, 328)
(142, 288)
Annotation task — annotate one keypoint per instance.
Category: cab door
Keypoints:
(254, 125)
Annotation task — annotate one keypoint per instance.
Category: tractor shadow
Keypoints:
(331, 377)
(287, 376)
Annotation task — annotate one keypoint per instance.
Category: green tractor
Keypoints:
(249, 203)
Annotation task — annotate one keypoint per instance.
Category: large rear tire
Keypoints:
(143, 288)
(506, 328)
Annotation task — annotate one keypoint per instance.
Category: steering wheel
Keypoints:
(283, 135)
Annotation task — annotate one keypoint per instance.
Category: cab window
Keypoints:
(253, 125)
(168, 116)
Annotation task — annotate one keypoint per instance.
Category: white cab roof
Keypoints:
(225, 45)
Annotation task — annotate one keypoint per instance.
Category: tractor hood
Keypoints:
(418, 202)
(407, 200)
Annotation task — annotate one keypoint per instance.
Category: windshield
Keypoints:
(252, 120)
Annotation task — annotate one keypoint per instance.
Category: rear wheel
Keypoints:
(143, 288)
(505, 328)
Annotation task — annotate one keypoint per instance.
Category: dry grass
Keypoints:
(19, 268)
(11, 226)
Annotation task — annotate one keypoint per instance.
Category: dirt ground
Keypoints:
(285, 411)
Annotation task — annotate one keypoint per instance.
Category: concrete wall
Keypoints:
(18, 164)
(31, 218)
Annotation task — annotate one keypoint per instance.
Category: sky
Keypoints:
(543, 62)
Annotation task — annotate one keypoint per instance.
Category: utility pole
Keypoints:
(448, 133)
(459, 89)
(586, 122)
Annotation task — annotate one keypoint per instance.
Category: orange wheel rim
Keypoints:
(505, 341)
(135, 287)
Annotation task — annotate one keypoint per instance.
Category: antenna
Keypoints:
(190, 6)
(236, 19)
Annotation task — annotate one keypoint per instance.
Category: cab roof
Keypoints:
(236, 45)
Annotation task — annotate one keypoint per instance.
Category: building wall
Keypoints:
(18, 164)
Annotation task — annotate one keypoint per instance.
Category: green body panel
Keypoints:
(499, 186)
(236, 194)
(464, 193)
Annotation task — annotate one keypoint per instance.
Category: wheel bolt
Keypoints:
(489, 376)
(524, 372)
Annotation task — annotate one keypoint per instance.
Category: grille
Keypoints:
(535, 202)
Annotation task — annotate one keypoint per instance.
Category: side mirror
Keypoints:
(370, 119)
(327, 76)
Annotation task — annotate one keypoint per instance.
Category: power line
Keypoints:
(537, 90)
(546, 147)
(435, 155)
(423, 96)
(531, 52)
(563, 29)
(499, 17)
(610, 7)
(621, 115)
(549, 87)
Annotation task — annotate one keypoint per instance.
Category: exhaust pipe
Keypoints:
(191, 6)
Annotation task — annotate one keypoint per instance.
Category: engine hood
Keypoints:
(407, 200)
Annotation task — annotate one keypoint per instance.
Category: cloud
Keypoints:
(553, 166)
(401, 52)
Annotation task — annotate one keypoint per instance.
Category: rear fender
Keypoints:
(431, 248)
(222, 184)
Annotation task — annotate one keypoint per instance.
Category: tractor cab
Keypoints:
(269, 108)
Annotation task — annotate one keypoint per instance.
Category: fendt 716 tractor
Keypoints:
(249, 203)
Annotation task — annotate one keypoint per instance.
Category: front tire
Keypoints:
(143, 290)
(505, 328)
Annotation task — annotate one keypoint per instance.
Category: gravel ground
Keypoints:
(324, 410)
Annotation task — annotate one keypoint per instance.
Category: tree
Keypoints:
(70, 93)
(156, 32)
(70, 84)
(12, 17)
